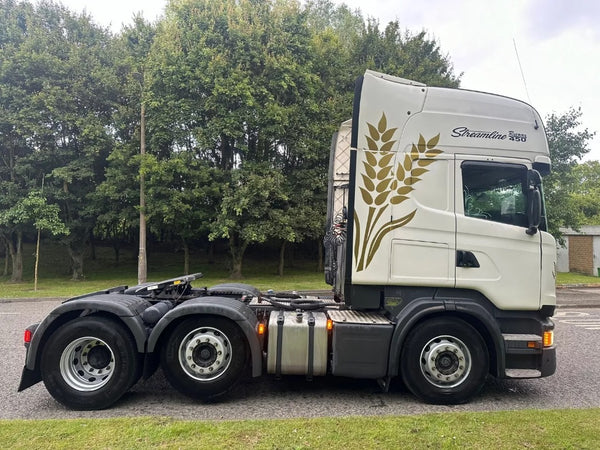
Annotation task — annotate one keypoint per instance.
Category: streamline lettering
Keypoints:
(465, 132)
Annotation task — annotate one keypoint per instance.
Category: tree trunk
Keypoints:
(320, 266)
(15, 248)
(116, 245)
(6, 253)
(76, 255)
(211, 253)
(237, 250)
(92, 246)
(186, 257)
(291, 256)
(236, 269)
(281, 258)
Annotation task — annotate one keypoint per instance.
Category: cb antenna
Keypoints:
(521, 69)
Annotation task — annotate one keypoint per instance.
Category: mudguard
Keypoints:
(229, 308)
(127, 308)
(419, 309)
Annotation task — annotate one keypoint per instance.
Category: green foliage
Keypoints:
(568, 142)
(34, 210)
(58, 91)
(254, 208)
(585, 195)
(567, 204)
(232, 91)
(249, 106)
(403, 54)
(183, 195)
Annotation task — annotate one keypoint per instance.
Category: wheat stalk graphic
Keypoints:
(382, 186)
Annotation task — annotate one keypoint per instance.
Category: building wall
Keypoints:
(596, 254)
(562, 257)
(581, 254)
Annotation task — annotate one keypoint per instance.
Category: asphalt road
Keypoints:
(578, 297)
(575, 385)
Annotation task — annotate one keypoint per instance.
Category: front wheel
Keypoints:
(204, 357)
(89, 363)
(444, 361)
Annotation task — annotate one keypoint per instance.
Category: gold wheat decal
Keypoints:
(383, 185)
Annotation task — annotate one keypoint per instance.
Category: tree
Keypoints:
(31, 212)
(253, 209)
(568, 143)
(15, 166)
(59, 97)
(116, 198)
(232, 85)
(585, 195)
(403, 54)
(183, 198)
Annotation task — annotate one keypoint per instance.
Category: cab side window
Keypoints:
(495, 191)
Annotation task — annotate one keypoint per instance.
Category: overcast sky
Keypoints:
(557, 42)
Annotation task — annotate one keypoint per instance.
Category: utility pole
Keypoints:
(37, 250)
(142, 261)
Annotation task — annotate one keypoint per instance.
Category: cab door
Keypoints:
(494, 253)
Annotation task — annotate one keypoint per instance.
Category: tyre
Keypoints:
(89, 363)
(444, 361)
(204, 358)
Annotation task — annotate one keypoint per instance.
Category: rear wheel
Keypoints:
(89, 363)
(444, 361)
(204, 357)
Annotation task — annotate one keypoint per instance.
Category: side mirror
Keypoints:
(534, 178)
(534, 210)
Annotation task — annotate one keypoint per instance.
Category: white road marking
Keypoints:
(579, 319)
(584, 321)
(560, 314)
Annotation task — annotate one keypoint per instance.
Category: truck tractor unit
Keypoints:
(436, 248)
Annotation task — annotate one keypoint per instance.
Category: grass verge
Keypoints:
(103, 272)
(576, 278)
(551, 429)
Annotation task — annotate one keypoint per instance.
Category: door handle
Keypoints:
(466, 259)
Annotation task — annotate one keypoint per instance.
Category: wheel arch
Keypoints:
(90, 362)
(470, 311)
(213, 306)
(121, 308)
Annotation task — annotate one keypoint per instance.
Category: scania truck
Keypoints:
(436, 248)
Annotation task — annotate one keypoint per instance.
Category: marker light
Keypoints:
(27, 336)
(548, 338)
(329, 324)
(261, 329)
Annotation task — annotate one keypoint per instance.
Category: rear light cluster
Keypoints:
(27, 336)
